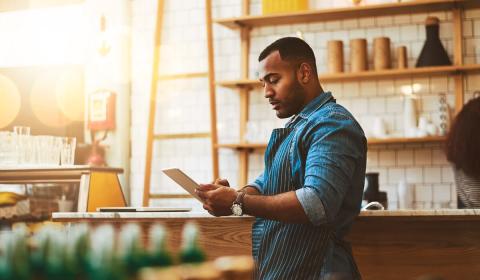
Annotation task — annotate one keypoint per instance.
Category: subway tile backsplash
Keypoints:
(183, 105)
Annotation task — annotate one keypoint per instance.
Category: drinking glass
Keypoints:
(7, 148)
(67, 155)
(21, 130)
(44, 147)
(22, 136)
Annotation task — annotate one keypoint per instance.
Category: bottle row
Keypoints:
(81, 252)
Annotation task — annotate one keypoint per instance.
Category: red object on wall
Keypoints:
(101, 110)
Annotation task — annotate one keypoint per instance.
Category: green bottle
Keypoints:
(76, 255)
(159, 255)
(55, 261)
(6, 266)
(38, 252)
(131, 251)
(101, 264)
(18, 252)
(190, 251)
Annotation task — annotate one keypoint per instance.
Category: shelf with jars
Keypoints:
(370, 75)
(456, 69)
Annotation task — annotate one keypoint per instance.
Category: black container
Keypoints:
(433, 53)
(370, 191)
(382, 199)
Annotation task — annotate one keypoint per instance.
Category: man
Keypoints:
(311, 189)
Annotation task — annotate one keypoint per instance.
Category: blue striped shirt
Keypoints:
(322, 157)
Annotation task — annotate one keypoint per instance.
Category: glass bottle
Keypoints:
(433, 53)
(191, 252)
(159, 256)
(370, 192)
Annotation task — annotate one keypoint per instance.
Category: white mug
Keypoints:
(379, 129)
(406, 193)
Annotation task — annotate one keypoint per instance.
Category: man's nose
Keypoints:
(268, 91)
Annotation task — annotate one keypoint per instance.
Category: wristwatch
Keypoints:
(237, 206)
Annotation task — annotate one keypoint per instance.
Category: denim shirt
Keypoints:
(328, 160)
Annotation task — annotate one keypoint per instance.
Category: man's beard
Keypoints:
(295, 102)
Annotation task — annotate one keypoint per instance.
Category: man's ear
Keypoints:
(305, 73)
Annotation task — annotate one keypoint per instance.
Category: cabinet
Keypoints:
(244, 85)
(97, 186)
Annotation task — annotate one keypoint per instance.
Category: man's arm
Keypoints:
(252, 190)
(283, 207)
(330, 163)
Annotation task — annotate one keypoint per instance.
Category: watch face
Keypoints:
(237, 210)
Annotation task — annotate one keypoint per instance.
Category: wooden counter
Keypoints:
(386, 244)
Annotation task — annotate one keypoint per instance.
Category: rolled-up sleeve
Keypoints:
(258, 183)
(330, 164)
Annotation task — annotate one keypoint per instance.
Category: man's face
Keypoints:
(281, 85)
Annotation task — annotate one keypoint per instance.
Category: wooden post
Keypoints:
(212, 92)
(458, 58)
(244, 97)
(153, 101)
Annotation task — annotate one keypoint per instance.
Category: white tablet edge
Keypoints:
(183, 180)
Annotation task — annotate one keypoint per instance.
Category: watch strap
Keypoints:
(239, 199)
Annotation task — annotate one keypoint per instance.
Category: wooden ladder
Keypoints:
(151, 136)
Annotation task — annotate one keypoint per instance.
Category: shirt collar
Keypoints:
(313, 106)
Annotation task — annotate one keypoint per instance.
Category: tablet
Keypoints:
(144, 209)
(183, 180)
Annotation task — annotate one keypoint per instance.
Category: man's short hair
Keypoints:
(291, 49)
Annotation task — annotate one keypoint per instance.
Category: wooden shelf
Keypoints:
(371, 142)
(402, 140)
(183, 76)
(369, 75)
(419, 6)
(243, 146)
(181, 135)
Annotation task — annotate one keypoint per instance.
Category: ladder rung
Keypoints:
(183, 76)
(165, 195)
(181, 135)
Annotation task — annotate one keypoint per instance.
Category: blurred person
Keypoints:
(310, 191)
(463, 151)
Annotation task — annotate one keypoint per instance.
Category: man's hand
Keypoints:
(221, 181)
(217, 199)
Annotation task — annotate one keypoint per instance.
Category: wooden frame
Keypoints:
(151, 136)
(153, 101)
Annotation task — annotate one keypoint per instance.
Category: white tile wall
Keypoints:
(184, 50)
